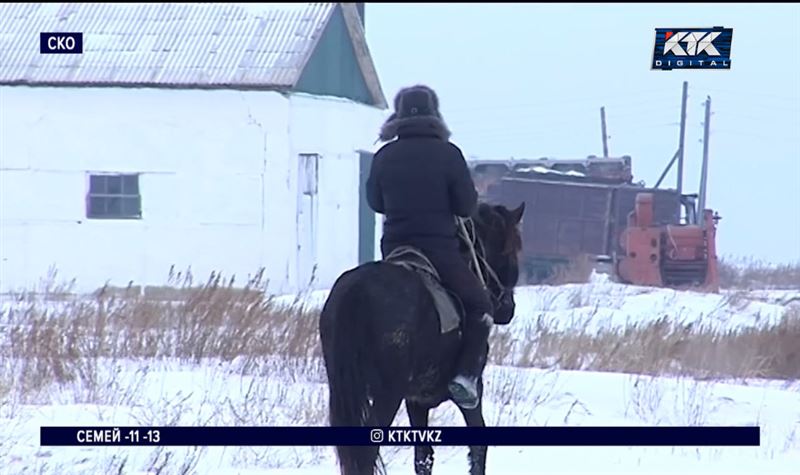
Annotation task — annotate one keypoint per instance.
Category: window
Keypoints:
(114, 197)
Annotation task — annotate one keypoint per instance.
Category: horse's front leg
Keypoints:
(423, 454)
(474, 418)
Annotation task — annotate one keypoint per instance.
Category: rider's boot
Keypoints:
(464, 386)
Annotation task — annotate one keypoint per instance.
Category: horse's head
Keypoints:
(499, 244)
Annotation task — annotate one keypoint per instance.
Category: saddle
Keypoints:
(448, 305)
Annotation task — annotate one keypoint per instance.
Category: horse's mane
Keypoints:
(482, 217)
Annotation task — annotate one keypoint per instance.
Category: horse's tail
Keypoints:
(349, 366)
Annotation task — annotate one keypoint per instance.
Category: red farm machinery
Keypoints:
(678, 255)
(591, 207)
(668, 255)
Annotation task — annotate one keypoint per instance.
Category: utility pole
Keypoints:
(603, 127)
(701, 206)
(682, 136)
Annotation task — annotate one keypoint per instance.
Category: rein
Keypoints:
(478, 262)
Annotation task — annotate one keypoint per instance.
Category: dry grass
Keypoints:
(752, 274)
(68, 341)
(62, 342)
(53, 339)
(661, 347)
(742, 275)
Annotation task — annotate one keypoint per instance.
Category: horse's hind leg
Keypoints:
(474, 418)
(423, 454)
(384, 408)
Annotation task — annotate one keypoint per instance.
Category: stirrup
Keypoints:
(464, 392)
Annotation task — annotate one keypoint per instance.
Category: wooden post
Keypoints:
(603, 128)
(701, 205)
(682, 136)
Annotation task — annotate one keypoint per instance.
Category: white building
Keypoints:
(216, 137)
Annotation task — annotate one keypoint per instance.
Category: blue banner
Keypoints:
(403, 436)
(61, 43)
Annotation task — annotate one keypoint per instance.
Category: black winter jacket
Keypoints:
(420, 183)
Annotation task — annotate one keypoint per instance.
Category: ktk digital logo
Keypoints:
(693, 48)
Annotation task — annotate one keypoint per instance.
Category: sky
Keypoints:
(528, 80)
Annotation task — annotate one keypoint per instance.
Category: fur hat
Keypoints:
(418, 107)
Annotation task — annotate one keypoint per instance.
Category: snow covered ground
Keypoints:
(215, 393)
(605, 305)
(293, 392)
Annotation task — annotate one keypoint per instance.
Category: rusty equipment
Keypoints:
(611, 220)
(592, 207)
(606, 170)
(574, 207)
(672, 255)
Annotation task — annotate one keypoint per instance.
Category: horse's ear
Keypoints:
(516, 214)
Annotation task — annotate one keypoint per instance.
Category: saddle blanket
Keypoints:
(413, 259)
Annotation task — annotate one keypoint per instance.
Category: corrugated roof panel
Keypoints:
(261, 44)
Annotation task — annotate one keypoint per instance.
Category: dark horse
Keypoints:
(382, 343)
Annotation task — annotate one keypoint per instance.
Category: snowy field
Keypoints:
(602, 304)
(283, 391)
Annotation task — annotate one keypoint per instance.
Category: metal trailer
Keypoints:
(566, 218)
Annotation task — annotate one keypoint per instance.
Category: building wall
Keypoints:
(218, 179)
(219, 172)
(209, 185)
(336, 129)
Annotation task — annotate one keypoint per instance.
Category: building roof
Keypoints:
(212, 45)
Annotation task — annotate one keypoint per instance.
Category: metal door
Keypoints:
(366, 217)
(307, 190)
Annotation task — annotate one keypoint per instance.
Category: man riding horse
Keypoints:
(420, 181)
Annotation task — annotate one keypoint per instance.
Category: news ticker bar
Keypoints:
(400, 436)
